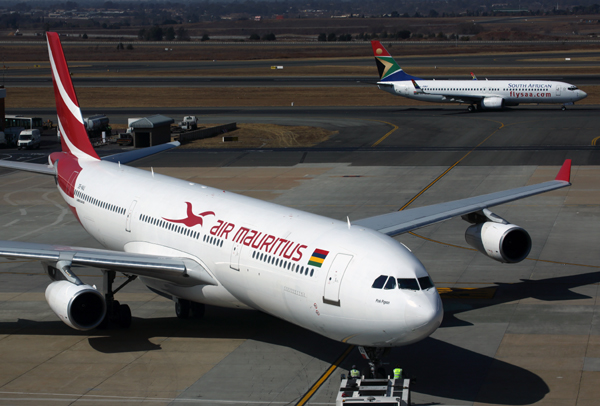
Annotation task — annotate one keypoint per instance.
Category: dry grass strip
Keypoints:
(266, 136)
(91, 97)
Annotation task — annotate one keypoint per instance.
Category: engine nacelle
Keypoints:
(79, 306)
(492, 103)
(502, 242)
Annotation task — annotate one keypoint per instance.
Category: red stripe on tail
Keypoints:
(74, 138)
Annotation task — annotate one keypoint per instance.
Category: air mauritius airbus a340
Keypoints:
(479, 94)
(198, 245)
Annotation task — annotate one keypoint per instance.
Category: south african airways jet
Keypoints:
(198, 245)
(479, 94)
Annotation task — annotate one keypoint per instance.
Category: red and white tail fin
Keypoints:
(74, 138)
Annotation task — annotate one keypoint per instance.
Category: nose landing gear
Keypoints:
(375, 370)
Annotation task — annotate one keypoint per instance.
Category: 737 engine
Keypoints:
(492, 103)
(81, 307)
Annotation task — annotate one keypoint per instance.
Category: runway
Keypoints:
(534, 339)
(292, 81)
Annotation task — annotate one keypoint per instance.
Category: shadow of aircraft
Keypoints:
(444, 370)
(550, 289)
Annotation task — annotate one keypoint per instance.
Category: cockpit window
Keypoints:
(379, 282)
(572, 87)
(391, 283)
(409, 284)
(425, 282)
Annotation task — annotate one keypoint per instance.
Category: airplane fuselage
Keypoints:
(511, 92)
(307, 269)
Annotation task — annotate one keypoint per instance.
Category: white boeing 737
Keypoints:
(479, 94)
(199, 245)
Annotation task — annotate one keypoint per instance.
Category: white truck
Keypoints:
(29, 139)
(189, 123)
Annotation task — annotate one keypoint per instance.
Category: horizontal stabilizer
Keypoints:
(44, 169)
(134, 155)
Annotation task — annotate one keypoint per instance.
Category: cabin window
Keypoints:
(425, 283)
(408, 284)
(312, 271)
(379, 282)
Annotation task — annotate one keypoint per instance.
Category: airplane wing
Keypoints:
(181, 271)
(451, 97)
(407, 220)
(43, 169)
(134, 155)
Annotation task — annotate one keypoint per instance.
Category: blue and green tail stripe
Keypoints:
(318, 257)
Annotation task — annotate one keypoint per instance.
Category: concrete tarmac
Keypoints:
(512, 334)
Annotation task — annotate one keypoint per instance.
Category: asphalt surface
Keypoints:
(21, 74)
(534, 339)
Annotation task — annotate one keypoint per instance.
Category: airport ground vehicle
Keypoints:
(28, 123)
(377, 392)
(29, 139)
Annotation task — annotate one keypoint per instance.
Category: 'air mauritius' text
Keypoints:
(261, 241)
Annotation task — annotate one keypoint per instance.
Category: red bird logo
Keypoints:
(191, 220)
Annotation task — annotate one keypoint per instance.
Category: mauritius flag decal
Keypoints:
(318, 257)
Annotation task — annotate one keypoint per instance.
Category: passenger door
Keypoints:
(129, 216)
(333, 282)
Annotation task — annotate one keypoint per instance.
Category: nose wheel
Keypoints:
(374, 356)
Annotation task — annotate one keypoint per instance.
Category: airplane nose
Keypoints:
(425, 313)
(582, 94)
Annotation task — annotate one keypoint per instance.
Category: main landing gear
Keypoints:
(375, 370)
(186, 309)
(116, 313)
(563, 108)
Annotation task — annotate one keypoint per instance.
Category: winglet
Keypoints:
(473, 76)
(564, 173)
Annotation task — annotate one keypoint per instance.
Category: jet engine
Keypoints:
(492, 103)
(502, 242)
(81, 307)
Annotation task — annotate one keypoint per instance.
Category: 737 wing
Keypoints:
(452, 97)
(407, 220)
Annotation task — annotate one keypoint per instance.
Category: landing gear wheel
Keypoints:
(563, 108)
(471, 108)
(374, 355)
(123, 318)
(182, 308)
(197, 310)
(116, 313)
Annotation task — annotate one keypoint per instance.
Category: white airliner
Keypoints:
(198, 245)
(479, 94)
